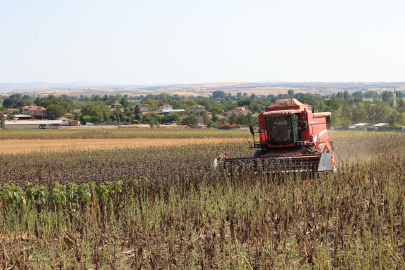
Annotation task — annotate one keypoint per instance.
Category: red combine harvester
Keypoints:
(292, 136)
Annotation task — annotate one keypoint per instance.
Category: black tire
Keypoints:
(311, 150)
(258, 153)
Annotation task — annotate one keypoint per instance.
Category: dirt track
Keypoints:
(21, 146)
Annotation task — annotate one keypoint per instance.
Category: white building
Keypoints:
(31, 124)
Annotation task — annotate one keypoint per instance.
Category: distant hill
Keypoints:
(203, 89)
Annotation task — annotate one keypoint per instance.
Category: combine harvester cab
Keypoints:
(291, 135)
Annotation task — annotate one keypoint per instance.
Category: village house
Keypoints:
(218, 116)
(115, 105)
(25, 109)
(142, 107)
(37, 112)
(6, 113)
(237, 111)
(170, 110)
(65, 121)
(165, 107)
(197, 108)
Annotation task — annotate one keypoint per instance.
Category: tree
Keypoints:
(211, 124)
(214, 117)
(346, 95)
(118, 113)
(191, 120)
(401, 103)
(249, 119)
(233, 118)
(9, 103)
(334, 103)
(395, 118)
(290, 92)
(3, 124)
(56, 110)
(124, 102)
(191, 102)
(244, 102)
(254, 107)
(137, 110)
(98, 113)
(86, 118)
(173, 117)
(218, 94)
(10, 116)
(205, 117)
(66, 104)
(241, 119)
(127, 112)
(113, 118)
(151, 104)
(152, 123)
(382, 111)
(224, 121)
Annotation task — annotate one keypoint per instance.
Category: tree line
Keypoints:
(347, 108)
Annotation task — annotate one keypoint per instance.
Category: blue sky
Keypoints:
(158, 42)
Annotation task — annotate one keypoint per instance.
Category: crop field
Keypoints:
(168, 208)
(123, 133)
(27, 146)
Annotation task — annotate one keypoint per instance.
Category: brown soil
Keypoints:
(21, 146)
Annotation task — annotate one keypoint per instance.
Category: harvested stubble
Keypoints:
(181, 213)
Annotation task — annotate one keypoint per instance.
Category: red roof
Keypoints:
(235, 126)
(197, 106)
(35, 108)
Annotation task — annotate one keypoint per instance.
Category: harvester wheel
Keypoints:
(311, 150)
(258, 153)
